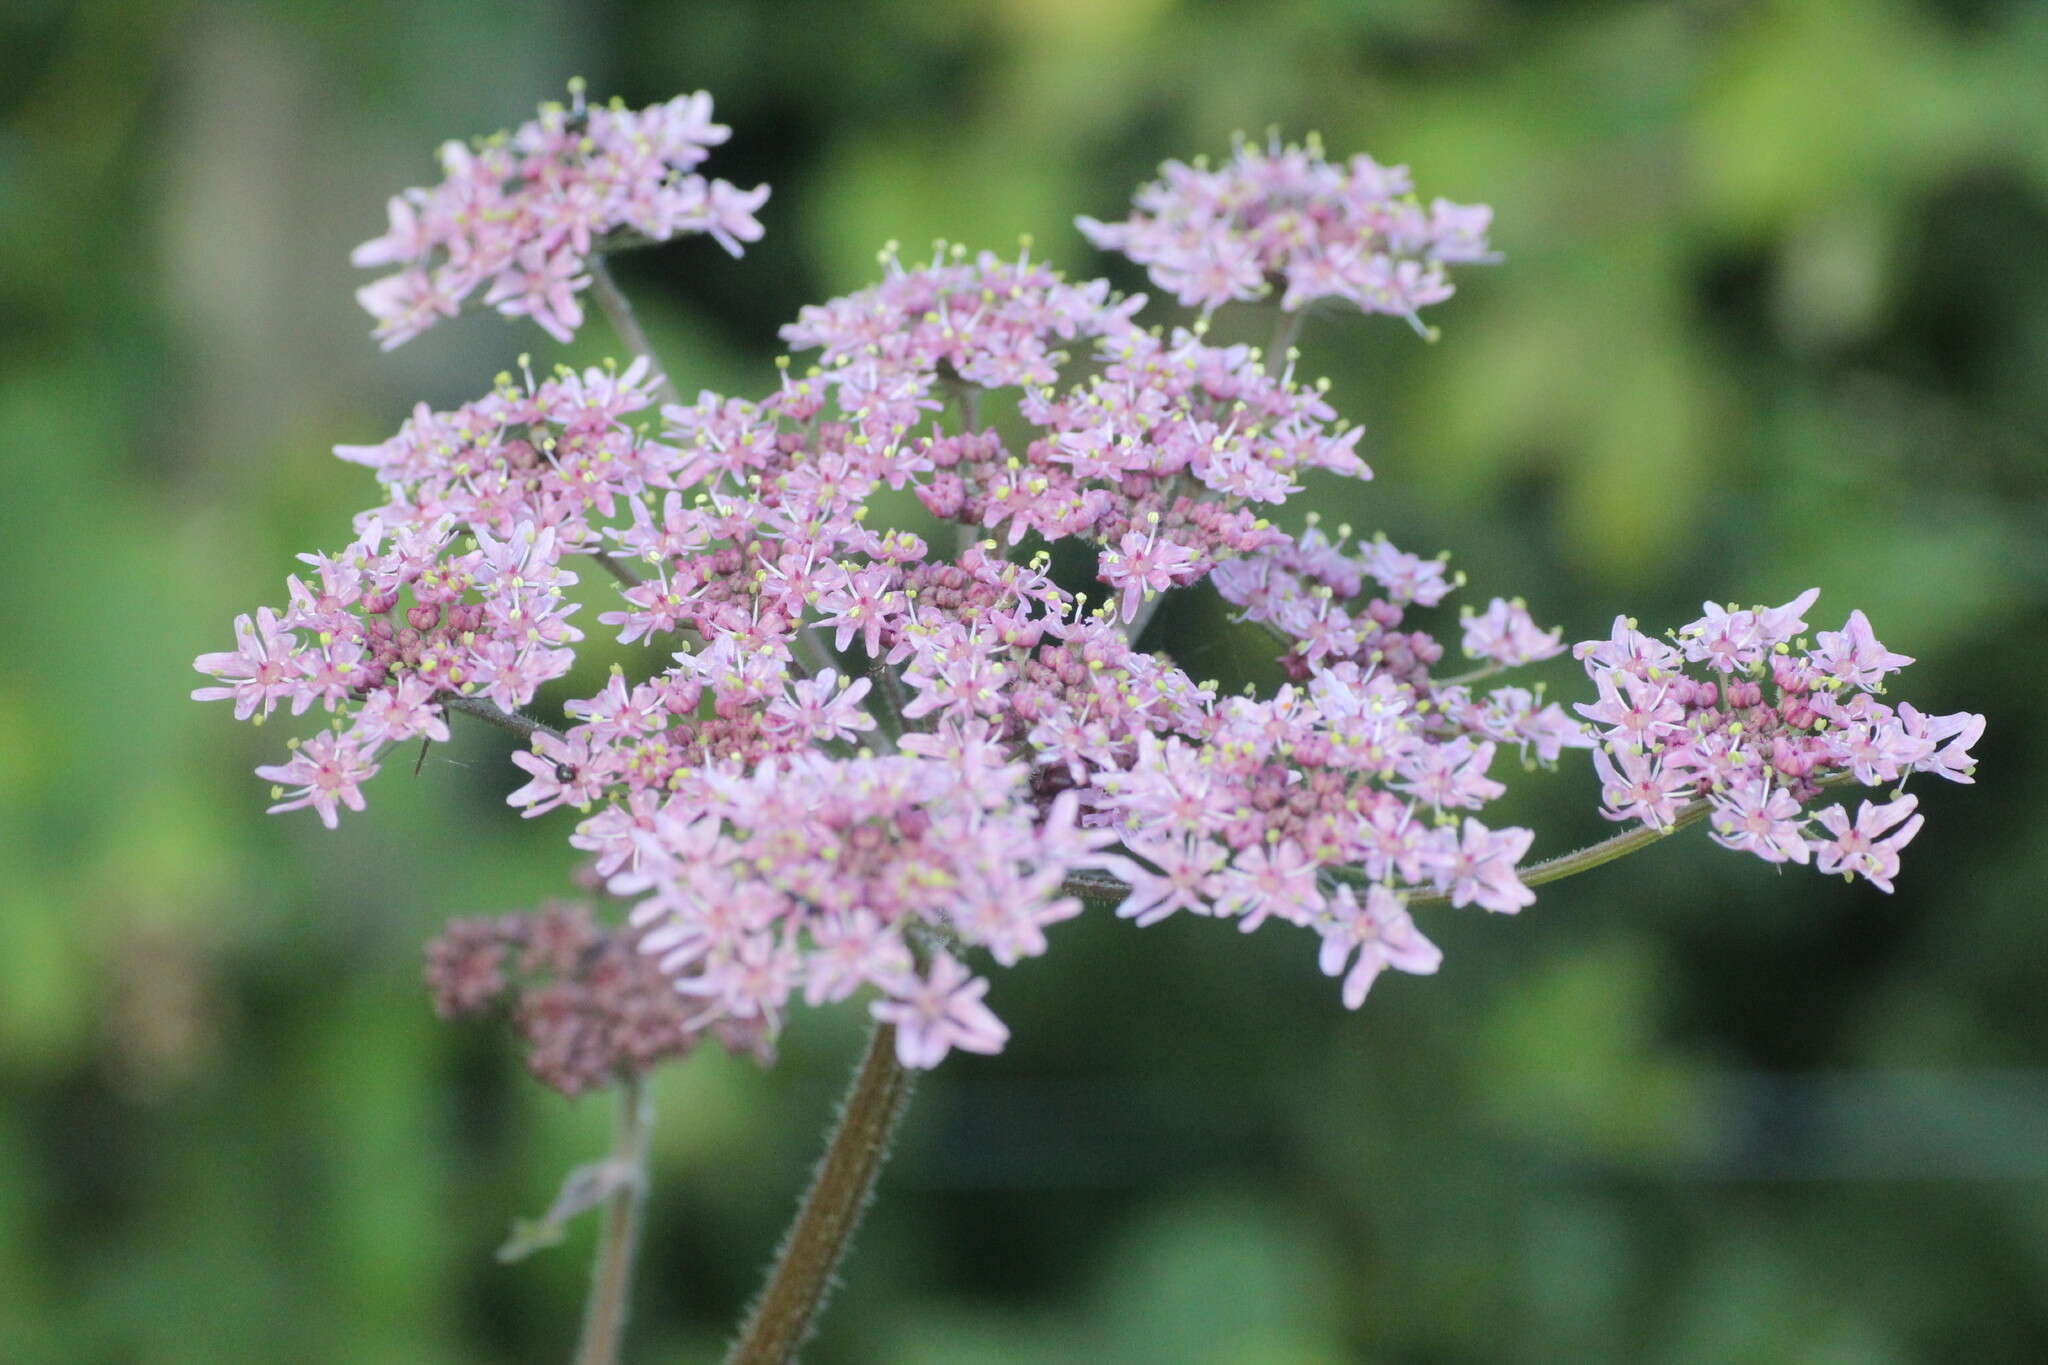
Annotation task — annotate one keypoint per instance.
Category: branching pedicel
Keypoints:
(880, 754)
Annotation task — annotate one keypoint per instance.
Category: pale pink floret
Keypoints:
(328, 770)
(1506, 634)
(823, 708)
(562, 772)
(1143, 564)
(1186, 879)
(1954, 735)
(1277, 881)
(389, 715)
(1854, 655)
(1481, 869)
(1864, 848)
(1369, 938)
(938, 1012)
(1759, 816)
(1636, 784)
(263, 668)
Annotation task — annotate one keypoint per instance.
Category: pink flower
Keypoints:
(1349, 232)
(1864, 848)
(1854, 655)
(1506, 634)
(1636, 785)
(1278, 880)
(263, 669)
(1143, 564)
(1758, 816)
(1185, 880)
(1954, 734)
(1481, 870)
(562, 773)
(394, 714)
(328, 769)
(826, 707)
(1773, 724)
(1371, 938)
(938, 1012)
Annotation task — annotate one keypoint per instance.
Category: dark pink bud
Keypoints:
(423, 616)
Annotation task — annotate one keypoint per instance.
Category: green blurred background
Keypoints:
(1775, 314)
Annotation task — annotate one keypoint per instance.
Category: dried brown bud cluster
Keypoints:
(590, 1006)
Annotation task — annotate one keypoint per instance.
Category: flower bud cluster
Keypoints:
(591, 1005)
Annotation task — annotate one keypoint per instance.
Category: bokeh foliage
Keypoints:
(1775, 314)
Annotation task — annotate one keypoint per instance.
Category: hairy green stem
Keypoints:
(524, 726)
(1580, 860)
(1096, 887)
(887, 698)
(627, 578)
(785, 1314)
(618, 1238)
(619, 312)
(1286, 331)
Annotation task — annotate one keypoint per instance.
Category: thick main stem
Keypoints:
(611, 1276)
(783, 1317)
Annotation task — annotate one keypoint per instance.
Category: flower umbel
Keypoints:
(881, 752)
(1773, 725)
(523, 212)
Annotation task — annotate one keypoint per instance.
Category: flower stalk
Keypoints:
(784, 1315)
(618, 311)
(618, 1238)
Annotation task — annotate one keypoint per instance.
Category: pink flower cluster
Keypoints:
(1285, 215)
(522, 213)
(890, 739)
(454, 587)
(1772, 725)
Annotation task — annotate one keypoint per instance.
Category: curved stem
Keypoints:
(611, 1276)
(1589, 857)
(782, 1319)
(1098, 887)
(619, 312)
